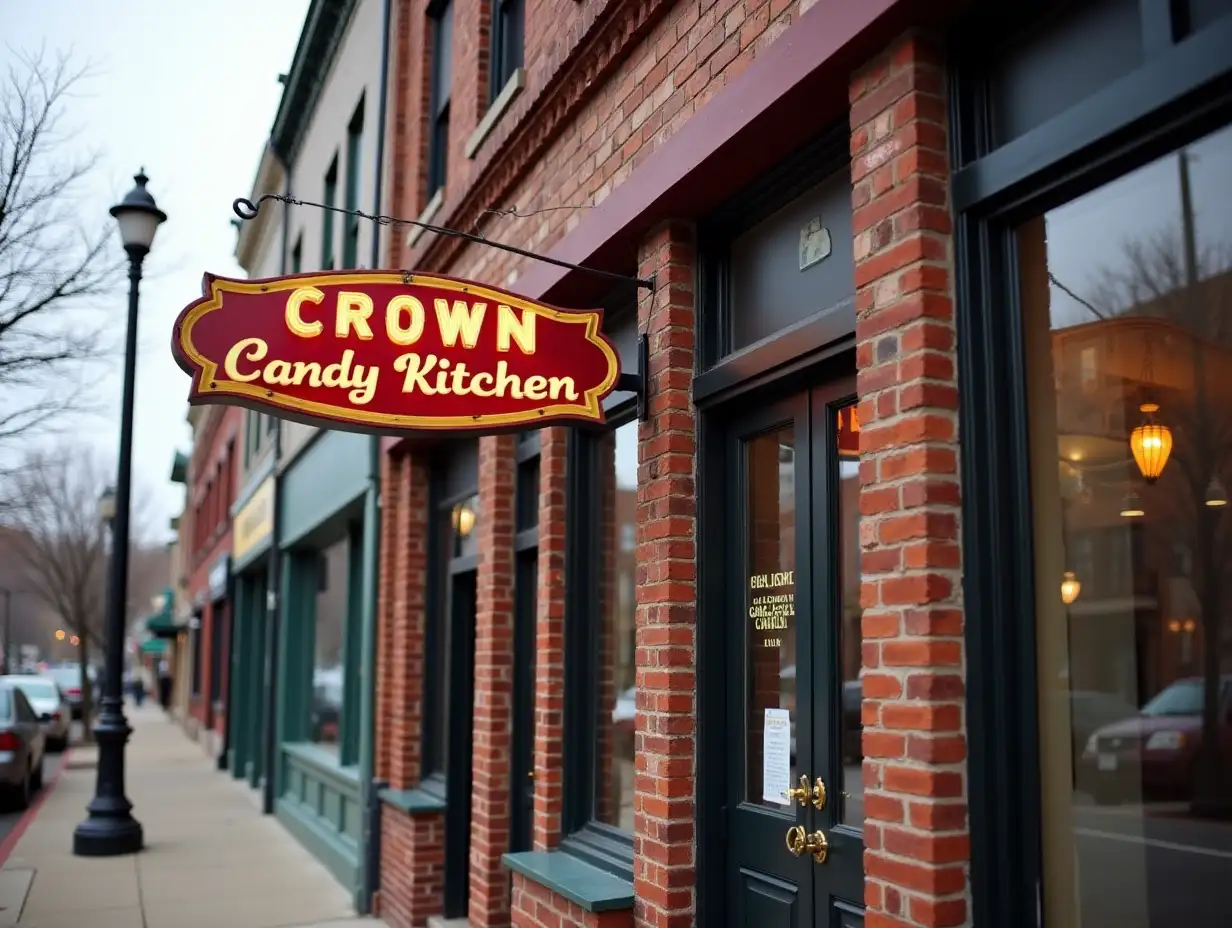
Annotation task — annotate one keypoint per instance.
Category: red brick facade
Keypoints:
(599, 101)
(213, 478)
(915, 829)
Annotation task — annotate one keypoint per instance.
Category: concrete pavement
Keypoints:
(211, 858)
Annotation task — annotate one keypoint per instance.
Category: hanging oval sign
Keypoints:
(390, 351)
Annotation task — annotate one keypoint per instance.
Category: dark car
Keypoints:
(22, 746)
(1153, 753)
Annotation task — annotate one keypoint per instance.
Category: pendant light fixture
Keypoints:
(1151, 441)
(1131, 506)
(1071, 586)
(1216, 494)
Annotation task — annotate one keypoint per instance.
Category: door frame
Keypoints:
(830, 364)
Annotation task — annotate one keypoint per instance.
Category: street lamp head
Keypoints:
(107, 505)
(139, 217)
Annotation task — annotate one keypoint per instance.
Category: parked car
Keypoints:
(22, 745)
(49, 704)
(1154, 752)
(68, 678)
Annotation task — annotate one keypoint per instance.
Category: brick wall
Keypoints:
(915, 830)
(663, 790)
(412, 847)
(537, 906)
(666, 60)
(489, 881)
(550, 641)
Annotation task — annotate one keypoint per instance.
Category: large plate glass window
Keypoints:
(1126, 297)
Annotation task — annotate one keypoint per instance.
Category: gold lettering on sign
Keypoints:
(772, 611)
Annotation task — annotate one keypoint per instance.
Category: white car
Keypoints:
(49, 704)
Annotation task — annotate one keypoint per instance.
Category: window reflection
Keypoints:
(1127, 299)
(850, 640)
(327, 668)
(769, 615)
(617, 703)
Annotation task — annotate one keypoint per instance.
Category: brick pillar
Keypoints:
(489, 881)
(550, 641)
(915, 829)
(412, 846)
(664, 810)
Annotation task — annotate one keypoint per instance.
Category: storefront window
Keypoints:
(850, 636)
(328, 674)
(615, 640)
(1127, 306)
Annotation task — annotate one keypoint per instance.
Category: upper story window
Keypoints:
(354, 146)
(331, 198)
(441, 16)
(508, 18)
(297, 254)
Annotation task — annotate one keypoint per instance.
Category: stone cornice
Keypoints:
(601, 43)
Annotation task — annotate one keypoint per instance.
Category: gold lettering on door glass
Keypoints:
(771, 610)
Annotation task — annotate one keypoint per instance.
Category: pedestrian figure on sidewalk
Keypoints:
(164, 684)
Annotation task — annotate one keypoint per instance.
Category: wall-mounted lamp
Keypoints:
(1071, 586)
(463, 519)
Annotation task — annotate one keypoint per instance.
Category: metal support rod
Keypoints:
(110, 828)
(247, 209)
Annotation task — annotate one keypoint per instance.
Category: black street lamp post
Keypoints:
(109, 828)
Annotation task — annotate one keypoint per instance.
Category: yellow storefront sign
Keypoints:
(255, 521)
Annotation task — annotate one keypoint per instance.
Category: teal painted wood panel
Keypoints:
(327, 477)
(321, 808)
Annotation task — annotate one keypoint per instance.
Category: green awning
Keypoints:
(155, 646)
(162, 623)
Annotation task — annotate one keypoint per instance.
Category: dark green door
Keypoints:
(795, 847)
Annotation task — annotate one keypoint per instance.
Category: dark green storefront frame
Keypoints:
(330, 492)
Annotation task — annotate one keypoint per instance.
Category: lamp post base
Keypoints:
(110, 829)
(108, 837)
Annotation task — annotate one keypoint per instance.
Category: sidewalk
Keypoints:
(211, 859)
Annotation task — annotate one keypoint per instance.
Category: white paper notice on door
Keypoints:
(776, 756)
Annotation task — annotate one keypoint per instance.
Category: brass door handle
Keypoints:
(799, 841)
(800, 793)
(803, 793)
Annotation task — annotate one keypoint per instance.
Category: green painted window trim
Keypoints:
(326, 765)
(593, 889)
(412, 801)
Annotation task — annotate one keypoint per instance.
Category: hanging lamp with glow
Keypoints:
(1071, 586)
(1151, 443)
(1131, 506)
(1216, 494)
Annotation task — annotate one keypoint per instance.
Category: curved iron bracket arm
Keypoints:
(247, 209)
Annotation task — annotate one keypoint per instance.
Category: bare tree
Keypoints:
(58, 539)
(50, 264)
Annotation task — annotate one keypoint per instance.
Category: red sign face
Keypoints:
(387, 351)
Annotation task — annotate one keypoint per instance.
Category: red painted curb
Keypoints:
(11, 839)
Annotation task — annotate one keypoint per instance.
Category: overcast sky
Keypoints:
(189, 91)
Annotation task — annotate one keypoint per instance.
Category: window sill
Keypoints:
(428, 214)
(593, 889)
(412, 801)
(504, 99)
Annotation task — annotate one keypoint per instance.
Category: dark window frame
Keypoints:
(440, 15)
(297, 254)
(441, 649)
(330, 194)
(526, 600)
(595, 842)
(198, 663)
(1182, 91)
(354, 154)
(508, 32)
